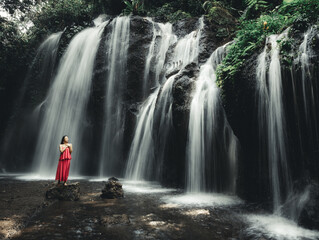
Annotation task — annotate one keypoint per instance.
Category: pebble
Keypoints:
(88, 229)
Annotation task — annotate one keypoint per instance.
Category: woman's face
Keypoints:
(66, 139)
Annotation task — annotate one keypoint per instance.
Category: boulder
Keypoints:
(113, 189)
(70, 192)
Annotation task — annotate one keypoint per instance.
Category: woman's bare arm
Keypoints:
(70, 147)
(62, 148)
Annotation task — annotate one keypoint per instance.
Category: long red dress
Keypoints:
(62, 172)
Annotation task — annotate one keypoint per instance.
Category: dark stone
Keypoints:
(239, 101)
(113, 189)
(185, 26)
(174, 164)
(70, 192)
(113, 179)
(141, 34)
(309, 216)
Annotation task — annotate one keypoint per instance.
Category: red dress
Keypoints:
(62, 172)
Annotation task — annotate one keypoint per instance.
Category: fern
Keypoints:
(256, 4)
(133, 6)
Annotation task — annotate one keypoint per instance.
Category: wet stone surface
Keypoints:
(136, 216)
(70, 192)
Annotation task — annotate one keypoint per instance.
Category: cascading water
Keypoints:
(43, 66)
(185, 52)
(65, 105)
(142, 147)
(112, 143)
(46, 59)
(271, 120)
(306, 100)
(309, 94)
(157, 54)
(141, 156)
(206, 157)
(303, 59)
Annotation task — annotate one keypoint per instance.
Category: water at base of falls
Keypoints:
(276, 227)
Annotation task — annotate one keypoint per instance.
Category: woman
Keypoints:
(66, 149)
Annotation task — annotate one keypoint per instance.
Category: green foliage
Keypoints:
(55, 15)
(255, 8)
(178, 15)
(256, 4)
(13, 5)
(135, 7)
(16, 52)
(219, 13)
(177, 10)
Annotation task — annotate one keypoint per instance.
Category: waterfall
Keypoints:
(112, 143)
(305, 96)
(204, 139)
(303, 59)
(162, 39)
(185, 52)
(141, 157)
(142, 150)
(65, 104)
(24, 119)
(271, 120)
(309, 90)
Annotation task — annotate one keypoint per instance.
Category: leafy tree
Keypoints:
(13, 5)
(55, 15)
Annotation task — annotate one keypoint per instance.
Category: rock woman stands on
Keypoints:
(66, 149)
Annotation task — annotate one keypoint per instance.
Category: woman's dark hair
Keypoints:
(62, 141)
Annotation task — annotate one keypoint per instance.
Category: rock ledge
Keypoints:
(113, 189)
(70, 192)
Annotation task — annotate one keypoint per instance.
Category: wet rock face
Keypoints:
(113, 189)
(70, 192)
(141, 34)
(241, 105)
(181, 28)
(309, 216)
(239, 101)
(174, 165)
